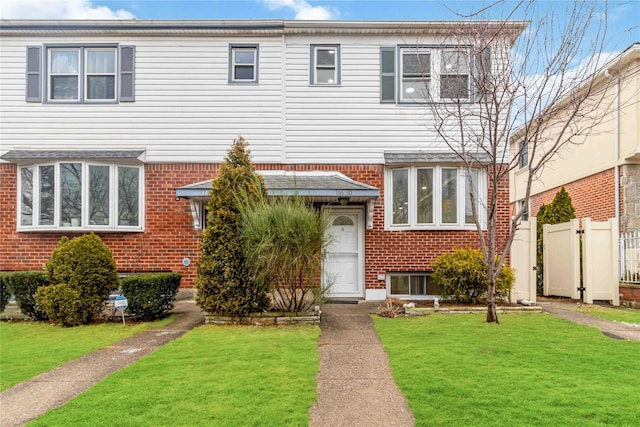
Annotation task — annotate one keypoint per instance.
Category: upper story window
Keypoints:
(325, 65)
(523, 154)
(431, 197)
(91, 73)
(243, 63)
(425, 74)
(80, 196)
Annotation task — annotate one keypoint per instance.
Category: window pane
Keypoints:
(325, 75)
(454, 62)
(454, 87)
(26, 192)
(326, 57)
(70, 194)
(64, 87)
(101, 87)
(128, 191)
(417, 285)
(64, 62)
(101, 61)
(468, 213)
(449, 196)
(99, 195)
(415, 89)
(243, 72)
(47, 192)
(416, 64)
(244, 56)
(400, 285)
(400, 190)
(425, 196)
(432, 287)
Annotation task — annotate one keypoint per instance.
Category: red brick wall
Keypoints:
(169, 235)
(592, 197)
(630, 292)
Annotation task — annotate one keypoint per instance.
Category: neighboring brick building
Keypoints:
(588, 168)
(118, 126)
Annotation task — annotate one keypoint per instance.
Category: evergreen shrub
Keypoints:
(150, 295)
(226, 282)
(462, 277)
(63, 304)
(86, 269)
(23, 286)
(4, 292)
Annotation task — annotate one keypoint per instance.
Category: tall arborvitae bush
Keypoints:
(225, 280)
(82, 273)
(558, 211)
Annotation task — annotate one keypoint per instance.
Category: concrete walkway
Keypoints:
(355, 386)
(31, 399)
(567, 310)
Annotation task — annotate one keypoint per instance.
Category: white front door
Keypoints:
(344, 263)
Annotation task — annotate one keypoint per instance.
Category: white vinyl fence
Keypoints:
(523, 261)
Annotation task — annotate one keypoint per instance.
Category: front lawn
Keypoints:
(619, 314)
(29, 348)
(532, 369)
(211, 376)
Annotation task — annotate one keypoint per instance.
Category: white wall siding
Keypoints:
(348, 123)
(184, 110)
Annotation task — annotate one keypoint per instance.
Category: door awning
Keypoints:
(321, 187)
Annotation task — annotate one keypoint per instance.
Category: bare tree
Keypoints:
(541, 87)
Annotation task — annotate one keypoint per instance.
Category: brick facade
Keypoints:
(592, 197)
(169, 235)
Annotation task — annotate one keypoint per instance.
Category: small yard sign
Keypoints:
(121, 303)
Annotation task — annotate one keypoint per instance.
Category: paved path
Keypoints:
(355, 386)
(567, 310)
(31, 399)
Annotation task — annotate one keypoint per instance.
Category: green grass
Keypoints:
(28, 349)
(212, 376)
(628, 315)
(532, 369)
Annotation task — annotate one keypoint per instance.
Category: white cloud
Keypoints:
(59, 9)
(302, 9)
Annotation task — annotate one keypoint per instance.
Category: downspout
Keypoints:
(616, 149)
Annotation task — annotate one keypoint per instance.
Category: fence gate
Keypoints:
(523, 260)
(599, 259)
(561, 258)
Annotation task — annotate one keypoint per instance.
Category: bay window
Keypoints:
(80, 195)
(434, 196)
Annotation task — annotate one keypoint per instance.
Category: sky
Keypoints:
(622, 18)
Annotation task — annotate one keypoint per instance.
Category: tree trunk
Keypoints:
(492, 315)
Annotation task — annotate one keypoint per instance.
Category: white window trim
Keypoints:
(113, 199)
(416, 297)
(87, 74)
(81, 75)
(232, 62)
(462, 182)
(336, 65)
(433, 88)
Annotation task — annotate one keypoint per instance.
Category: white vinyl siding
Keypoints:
(185, 110)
